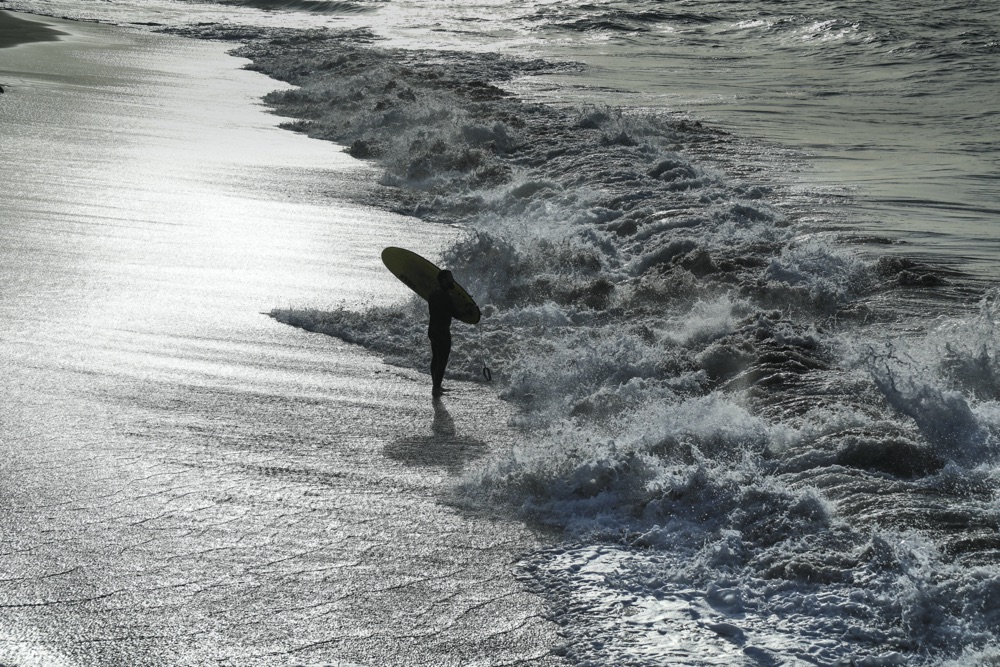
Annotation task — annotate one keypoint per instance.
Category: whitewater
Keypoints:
(738, 265)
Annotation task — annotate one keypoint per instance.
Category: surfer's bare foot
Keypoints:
(437, 391)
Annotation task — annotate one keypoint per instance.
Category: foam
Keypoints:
(944, 382)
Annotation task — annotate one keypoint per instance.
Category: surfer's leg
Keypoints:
(437, 368)
(445, 353)
(440, 351)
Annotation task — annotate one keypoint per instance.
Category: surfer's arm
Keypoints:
(457, 312)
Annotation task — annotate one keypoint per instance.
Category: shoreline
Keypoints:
(15, 31)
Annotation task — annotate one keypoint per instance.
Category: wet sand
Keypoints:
(16, 30)
(184, 480)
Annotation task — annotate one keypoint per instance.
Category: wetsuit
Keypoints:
(441, 311)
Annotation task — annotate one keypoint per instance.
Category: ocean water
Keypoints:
(738, 266)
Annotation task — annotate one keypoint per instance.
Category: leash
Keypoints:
(487, 373)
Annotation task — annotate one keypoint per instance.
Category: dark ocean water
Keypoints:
(738, 261)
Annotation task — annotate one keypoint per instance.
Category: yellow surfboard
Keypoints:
(420, 275)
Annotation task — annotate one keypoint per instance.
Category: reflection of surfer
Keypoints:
(442, 309)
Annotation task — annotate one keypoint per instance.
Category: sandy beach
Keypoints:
(186, 481)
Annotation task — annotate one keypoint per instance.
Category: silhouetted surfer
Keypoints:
(441, 309)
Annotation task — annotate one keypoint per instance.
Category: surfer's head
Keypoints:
(445, 279)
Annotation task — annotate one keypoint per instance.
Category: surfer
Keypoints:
(441, 309)
(445, 298)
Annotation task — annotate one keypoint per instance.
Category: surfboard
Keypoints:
(420, 275)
